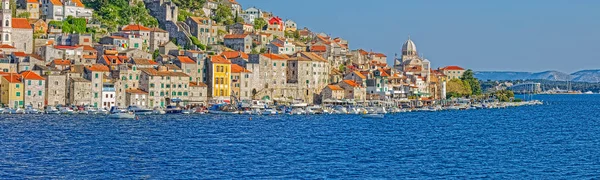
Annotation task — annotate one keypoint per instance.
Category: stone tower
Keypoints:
(6, 27)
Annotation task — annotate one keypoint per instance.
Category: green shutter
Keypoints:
(29, 93)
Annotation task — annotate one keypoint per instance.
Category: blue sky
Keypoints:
(506, 35)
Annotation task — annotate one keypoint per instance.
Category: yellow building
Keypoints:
(220, 78)
(11, 90)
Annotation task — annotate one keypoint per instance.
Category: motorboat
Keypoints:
(269, 111)
(66, 110)
(223, 109)
(340, 110)
(90, 110)
(173, 109)
(158, 111)
(30, 110)
(52, 110)
(188, 111)
(16, 111)
(139, 111)
(103, 111)
(297, 111)
(116, 113)
(373, 116)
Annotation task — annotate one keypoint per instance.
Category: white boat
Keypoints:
(116, 113)
(158, 111)
(223, 109)
(373, 116)
(66, 110)
(31, 110)
(269, 111)
(16, 111)
(90, 110)
(339, 110)
(297, 111)
(140, 111)
(173, 109)
(52, 110)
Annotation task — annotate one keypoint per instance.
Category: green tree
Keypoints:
(197, 42)
(473, 82)
(259, 23)
(155, 54)
(223, 15)
(24, 15)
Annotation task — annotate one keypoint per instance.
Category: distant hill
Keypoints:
(507, 75)
(579, 76)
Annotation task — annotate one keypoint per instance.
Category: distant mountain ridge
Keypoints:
(579, 76)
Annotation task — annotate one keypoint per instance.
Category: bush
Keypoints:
(196, 42)
(517, 100)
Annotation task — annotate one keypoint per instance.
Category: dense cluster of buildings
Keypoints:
(243, 63)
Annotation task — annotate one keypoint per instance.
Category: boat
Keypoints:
(223, 109)
(298, 111)
(339, 110)
(373, 116)
(588, 92)
(140, 111)
(188, 111)
(16, 111)
(90, 110)
(116, 113)
(269, 111)
(30, 110)
(158, 111)
(173, 109)
(52, 110)
(66, 110)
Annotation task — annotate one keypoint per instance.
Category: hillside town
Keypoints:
(47, 60)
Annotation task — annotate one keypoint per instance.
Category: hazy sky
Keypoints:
(515, 35)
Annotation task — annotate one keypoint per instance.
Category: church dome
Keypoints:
(409, 46)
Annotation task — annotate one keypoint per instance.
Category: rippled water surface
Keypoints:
(558, 140)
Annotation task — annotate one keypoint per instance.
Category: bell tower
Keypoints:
(6, 26)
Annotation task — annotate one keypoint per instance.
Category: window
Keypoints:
(130, 77)
(95, 95)
(151, 93)
(185, 93)
(28, 82)
(29, 93)
(173, 93)
(96, 75)
(162, 85)
(40, 83)
(151, 85)
(162, 93)
(137, 77)
(17, 85)
(282, 64)
(274, 64)
(124, 78)
(179, 93)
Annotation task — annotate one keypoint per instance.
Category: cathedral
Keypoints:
(410, 62)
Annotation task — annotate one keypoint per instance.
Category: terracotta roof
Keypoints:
(233, 2)
(65, 47)
(313, 56)
(318, 48)
(172, 67)
(351, 83)
(379, 55)
(383, 73)
(155, 29)
(136, 91)
(199, 20)
(89, 56)
(234, 54)
(31, 75)
(88, 48)
(117, 37)
(20, 23)
(360, 75)
(12, 77)
(56, 2)
(456, 68)
(199, 84)
(61, 62)
(274, 56)
(118, 59)
(98, 67)
(277, 44)
(236, 36)
(363, 52)
(6, 46)
(154, 72)
(219, 60)
(335, 87)
(77, 3)
(186, 60)
(238, 69)
(144, 62)
(19, 54)
(135, 27)
(32, 1)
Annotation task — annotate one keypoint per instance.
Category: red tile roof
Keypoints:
(118, 59)
(61, 62)
(88, 48)
(20, 23)
(117, 37)
(98, 67)
(455, 68)
(236, 36)
(135, 27)
(383, 73)
(318, 48)
(238, 69)
(12, 77)
(136, 91)
(19, 54)
(234, 54)
(199, 84)
(219, 60)
(274, 56)
(379, 55)
(186, 60)
(335, 87)
(77, 3)
(199, 20)
(360, 75)
(351, 83)
(6, 46)
(32, 1)
(56, 2)
(31, 75)
(65, 47)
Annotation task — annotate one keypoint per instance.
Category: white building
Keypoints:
(109, 96)
(59, 10)
(251, 14)
(282, 46)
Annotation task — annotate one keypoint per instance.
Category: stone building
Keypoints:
(22, 35)
(206, 30)
(198, 94)
(332, 92)
(240, 80)
(137, 97)
(152, 37)
(35, 87)
(163, 86)
(239, 42)
(190, 67)
(80, 91)
(56, 89)
(453, 72)
(353, 90)
(96, 74)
